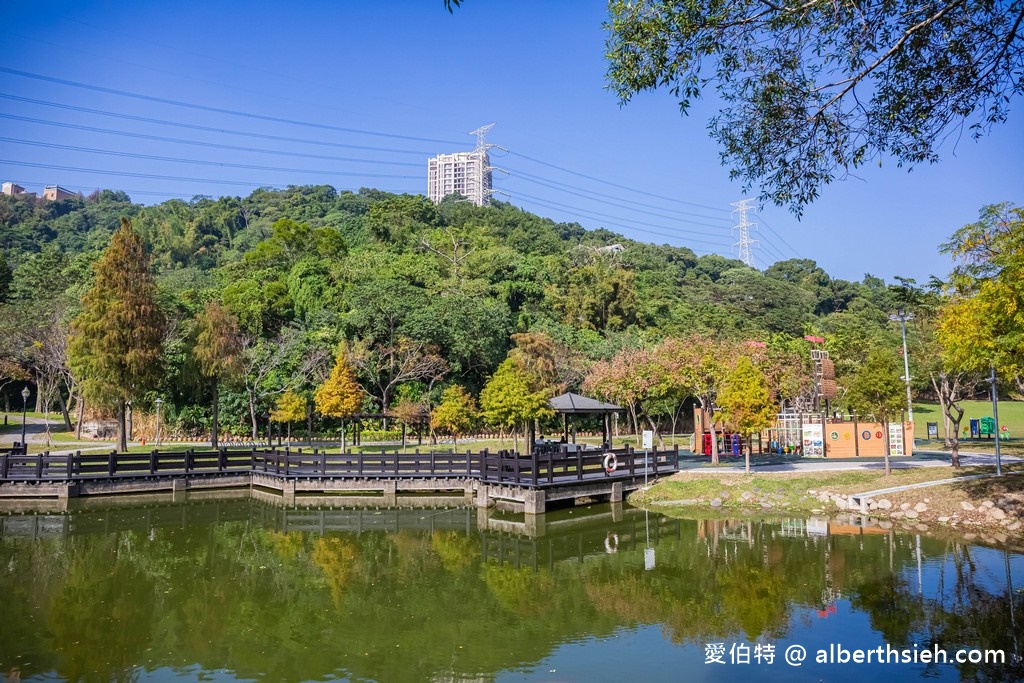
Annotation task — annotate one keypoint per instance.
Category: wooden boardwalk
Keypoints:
(528, 481)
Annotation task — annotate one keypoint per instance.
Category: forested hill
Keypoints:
(459, 279)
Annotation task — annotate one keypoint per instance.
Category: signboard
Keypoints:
(933, 430)
(814, 444)
(648, 440)
(896, 439)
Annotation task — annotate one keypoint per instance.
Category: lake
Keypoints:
(148, 589)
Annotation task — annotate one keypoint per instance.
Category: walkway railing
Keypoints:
(534, 470)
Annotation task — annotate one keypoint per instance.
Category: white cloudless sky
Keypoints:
(386, 85)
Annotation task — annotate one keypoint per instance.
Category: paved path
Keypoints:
(919, 459)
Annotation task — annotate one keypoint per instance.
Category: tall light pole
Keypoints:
(159, 402)
(902, 317)
(24, 411)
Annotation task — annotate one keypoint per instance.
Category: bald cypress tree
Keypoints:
(219, 352)
(115, 347)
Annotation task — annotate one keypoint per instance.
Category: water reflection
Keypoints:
(246, 590)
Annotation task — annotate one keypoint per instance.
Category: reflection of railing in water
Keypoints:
(579, 543)
(143, 518)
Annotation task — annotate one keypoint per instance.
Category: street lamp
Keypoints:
(159, 402)
(24, 410)
(902, 317)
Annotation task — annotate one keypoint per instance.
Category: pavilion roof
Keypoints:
(574, 403)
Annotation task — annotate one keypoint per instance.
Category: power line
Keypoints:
(218, 110)
(627, 226)
(210, 129)
(540, 180)
(222, 164)
(198, 143)
(611, 184)
(132, 174)
(781, 239)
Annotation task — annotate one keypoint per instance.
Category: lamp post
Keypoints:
(24, 411)
(902, 317)
(159, 402)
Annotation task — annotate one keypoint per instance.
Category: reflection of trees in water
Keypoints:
(100, 618)
(418, 605)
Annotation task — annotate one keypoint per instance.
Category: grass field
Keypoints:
(1011, 416)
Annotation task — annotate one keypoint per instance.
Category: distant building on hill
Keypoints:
(463, 173)
(12, 189)
(55, 193)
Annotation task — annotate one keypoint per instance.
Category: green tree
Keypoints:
(876, 389)
(979, 327)
(455, 413)
(745, 401)
(814, 90)
(507, 401)
(115, 346)
(218, 350)
(340, 395)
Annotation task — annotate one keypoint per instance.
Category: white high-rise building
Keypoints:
(464, 173)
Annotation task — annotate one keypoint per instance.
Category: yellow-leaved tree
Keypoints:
(340, 395)
(291, 407)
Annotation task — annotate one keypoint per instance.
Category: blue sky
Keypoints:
(379, 87)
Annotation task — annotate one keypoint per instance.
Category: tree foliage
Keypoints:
(455, 413)
(116, 342)
(340, 395)
(812, 90)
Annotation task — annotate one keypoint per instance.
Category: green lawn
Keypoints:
(1011, 414)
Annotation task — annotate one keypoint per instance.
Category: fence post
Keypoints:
(70, 465)
(534, 464)
(222, 459)
(39, 464)
(323, 462)
(5, 464)
(111, 463)
(579, 464)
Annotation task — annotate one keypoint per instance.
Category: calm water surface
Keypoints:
(243, 590)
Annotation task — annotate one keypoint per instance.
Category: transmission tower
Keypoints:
(744, 251)
(481, 133)
(486, 170)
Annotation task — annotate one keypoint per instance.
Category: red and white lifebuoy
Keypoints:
(611, 463)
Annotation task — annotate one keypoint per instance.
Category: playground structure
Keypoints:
(817, 435)
(811, 429)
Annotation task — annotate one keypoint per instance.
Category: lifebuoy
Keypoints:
(611, 463)
(611, 543)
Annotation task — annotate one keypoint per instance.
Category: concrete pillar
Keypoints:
(391, 493)
(483, 496)
(616, 496)
(617, 511)
(288, 493)
(69, 490)
(536, 525)
(534, 502)
(178, 491)
(483, 518)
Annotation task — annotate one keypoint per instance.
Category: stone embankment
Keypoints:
(1004, 513)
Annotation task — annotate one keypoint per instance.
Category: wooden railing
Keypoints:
(536, 469)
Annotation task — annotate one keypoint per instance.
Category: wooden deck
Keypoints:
(526, 481)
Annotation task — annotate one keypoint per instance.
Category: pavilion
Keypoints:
(570, 404)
